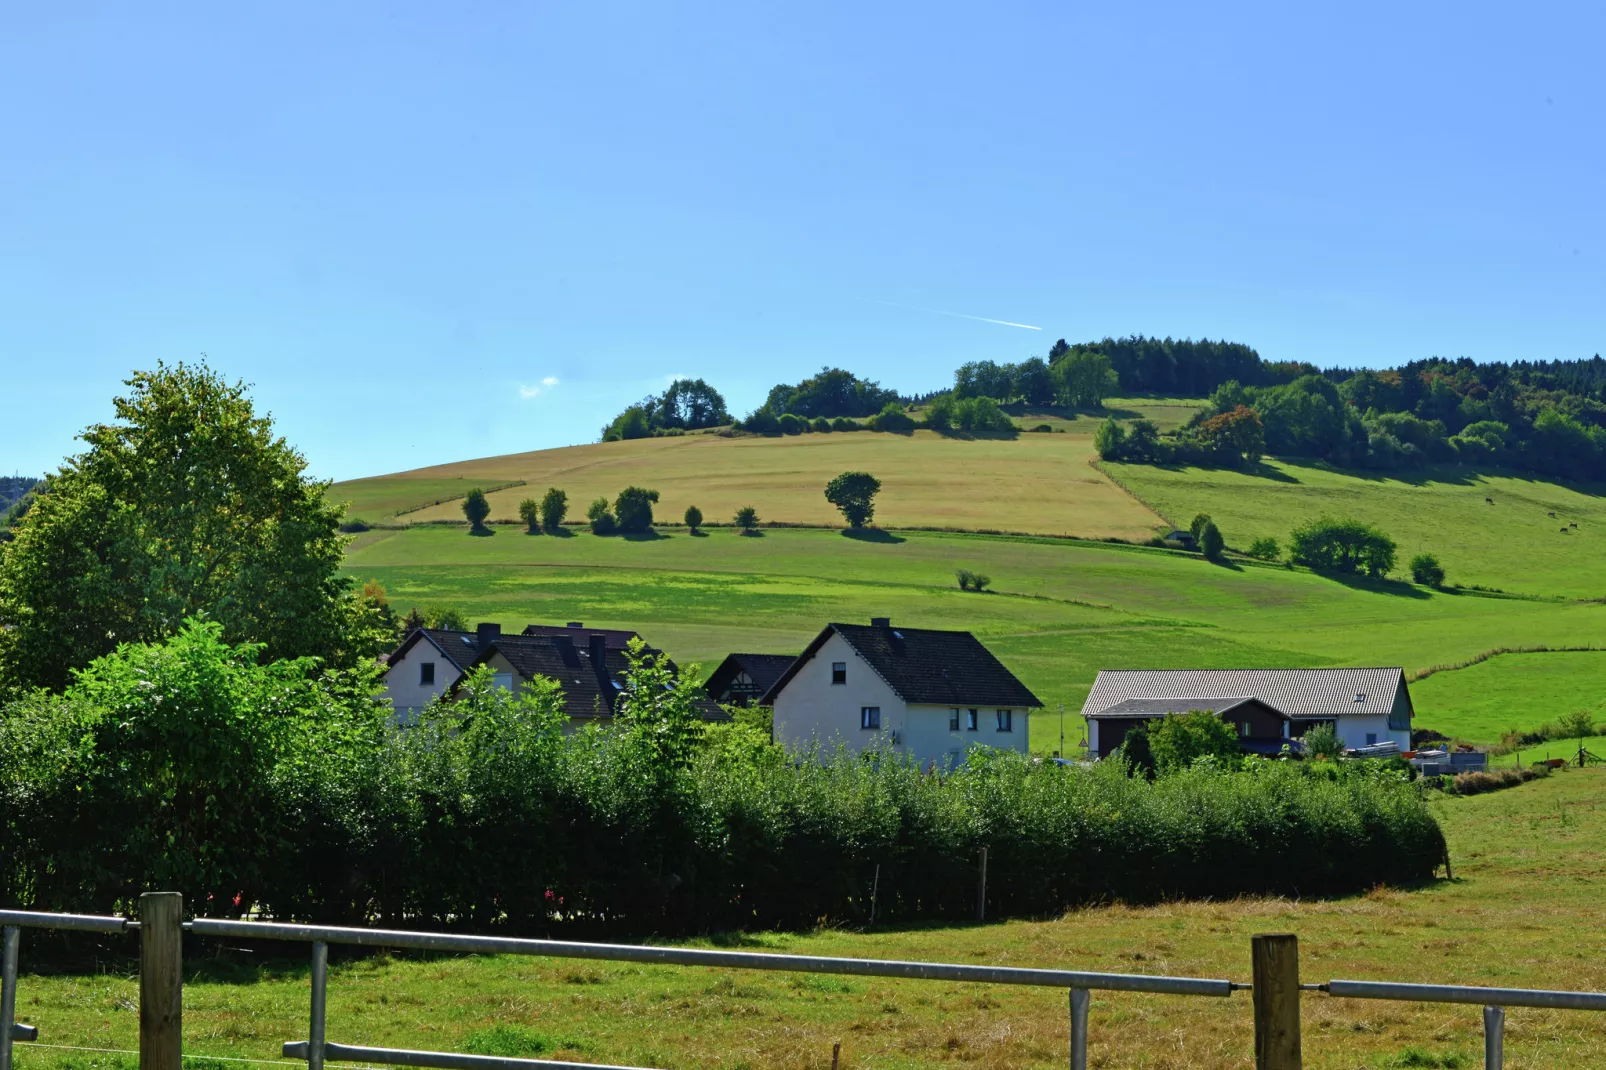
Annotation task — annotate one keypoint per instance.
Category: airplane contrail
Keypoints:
(962, 315)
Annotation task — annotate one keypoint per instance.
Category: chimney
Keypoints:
(880, 622)
(486, 633)
(576, 625)
(599, 665)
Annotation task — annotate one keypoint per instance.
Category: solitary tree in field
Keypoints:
(476, 508)
(1426, 570)
(634, 509)
(530, 513)
(1211, 543)
(747, 519)
(554, 506)
(854, 494)
(694, 518)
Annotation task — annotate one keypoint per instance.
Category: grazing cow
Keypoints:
(1564, 531)
(1551, 515)
(1489, 500)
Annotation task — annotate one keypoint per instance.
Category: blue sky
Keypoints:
(427, 232)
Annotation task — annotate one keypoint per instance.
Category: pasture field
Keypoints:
(1515, 544)
(1528, 865)
(1513, 691)
(1060, 610)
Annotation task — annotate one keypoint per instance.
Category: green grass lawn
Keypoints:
(1520, 912)
(1512, 691)
(1514, 544)
(1060, 610)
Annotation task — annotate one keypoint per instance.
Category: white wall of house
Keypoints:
(811, 707)
(408, 695)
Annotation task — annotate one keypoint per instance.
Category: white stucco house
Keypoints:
(427, 663)
(1366, 706)
(930, 694)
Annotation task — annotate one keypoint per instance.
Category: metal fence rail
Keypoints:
(1275, 959)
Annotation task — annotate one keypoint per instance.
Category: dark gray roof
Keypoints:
(586, 691)
(618, 638)
(924, 666)
(1296, 692)
(1159, 707)
(763, 669)
(459, 648)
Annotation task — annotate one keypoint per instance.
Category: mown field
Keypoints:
(1061, 610)
(1528, 864)
(1515, 544)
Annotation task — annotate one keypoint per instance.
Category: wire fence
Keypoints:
(1275, 987)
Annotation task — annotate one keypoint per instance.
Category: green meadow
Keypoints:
(1059, 611)
(1517, 543)
(1519, 912)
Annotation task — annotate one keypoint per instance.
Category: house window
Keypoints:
(426, 673)
(870, 718)
(1285, 729)
(1006, 720)
(1243, 729)
(953, 720)
(970, 720)
(839, 672)
(1371, 738)
(504, 680)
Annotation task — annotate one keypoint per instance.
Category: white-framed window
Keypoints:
(870, 718)
(1371, 738)
(839, 672)
(1243, 729)
(953, 719)
(426, 673)
(971, 717)
(1006, 720)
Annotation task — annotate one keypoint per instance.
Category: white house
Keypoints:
(1366, 706)
(427, 663)
(930, 694)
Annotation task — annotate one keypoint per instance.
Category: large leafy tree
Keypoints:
(186, 505)
(854, 494)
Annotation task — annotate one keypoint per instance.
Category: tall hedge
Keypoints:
(287, 789)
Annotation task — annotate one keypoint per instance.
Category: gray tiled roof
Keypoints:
(1296, 692)
(1159, 707)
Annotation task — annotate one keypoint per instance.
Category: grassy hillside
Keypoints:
(1528, 863)
(1062, 610)
(1513, 544)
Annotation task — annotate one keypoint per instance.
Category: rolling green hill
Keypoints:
(1061, 609)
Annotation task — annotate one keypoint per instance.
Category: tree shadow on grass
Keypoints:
(481, 532)
(1397, 588)
(872, 535)
(698, 534)
(560, 533)
(750, 533)
(652, 535)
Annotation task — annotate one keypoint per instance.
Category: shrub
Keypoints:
(842, 423)
(791, 424)
(1426, 570)
(601, 518)
(746, 518)
(822, 424)
(1321, 741)
(853, 493)
(354, 526)
(762, 421)
(693, 518)
(530, 513)
(1211, 543)
(1265, 548)
(1576, 725)
(632, 423)
(981, 414)
(633, 510)
(972, 581)
(1044, 428)
(1110, 440)
(554, 507)
(1176, 742)
(1342, 546)
(940, 413)
(1480, 781)
(476, 508)
(892, 418)
(1197, 524)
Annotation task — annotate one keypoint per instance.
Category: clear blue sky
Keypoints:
(430, 231)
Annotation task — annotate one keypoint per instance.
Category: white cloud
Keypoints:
(528, 390)
(551, 380)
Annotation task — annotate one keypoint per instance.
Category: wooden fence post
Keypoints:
(161, 981)
(1275, 960)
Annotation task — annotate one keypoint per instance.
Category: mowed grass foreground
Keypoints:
(1061, 611)
(1520, 911)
